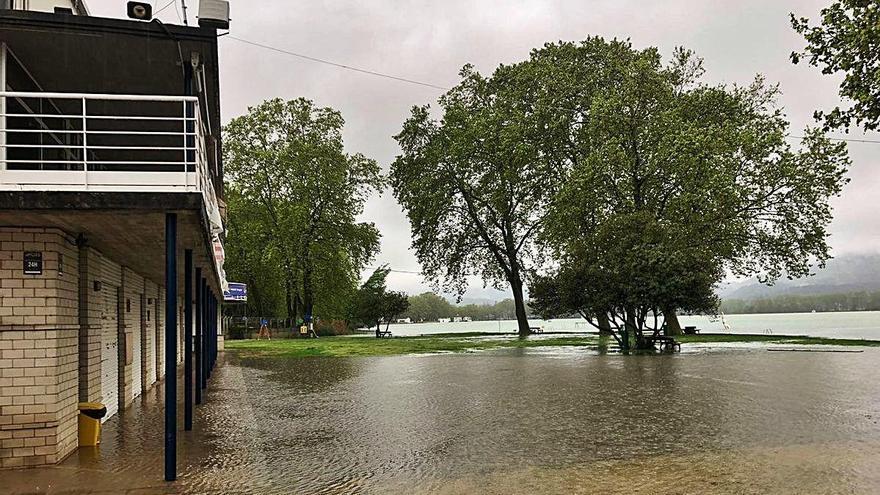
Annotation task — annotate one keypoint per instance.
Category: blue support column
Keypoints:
(210, 334)
(200, 310)
(170, 347)
(214, 332)
(187, 343)
(204, 332)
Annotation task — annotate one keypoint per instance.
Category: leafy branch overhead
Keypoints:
(846, 40)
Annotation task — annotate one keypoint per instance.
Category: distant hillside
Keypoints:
(845, 274)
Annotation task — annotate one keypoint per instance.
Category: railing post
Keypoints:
(85, 146)
(2, 111)
(187, 91)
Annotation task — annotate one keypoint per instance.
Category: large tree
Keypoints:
(847, 40)
(709, 165)
(475, 185)
(287, 161)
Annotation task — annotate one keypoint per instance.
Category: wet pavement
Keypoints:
(546, 420)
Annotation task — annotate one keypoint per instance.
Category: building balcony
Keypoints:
(106, 143)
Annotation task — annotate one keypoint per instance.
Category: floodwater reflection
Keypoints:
(510, 421)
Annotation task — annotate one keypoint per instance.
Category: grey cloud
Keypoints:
(430, 41)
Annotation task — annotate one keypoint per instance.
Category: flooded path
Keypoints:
(717, 420)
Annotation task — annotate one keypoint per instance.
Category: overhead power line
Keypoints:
(405, 271)
(336, 64)
(422, 83)
(164, 7)
(850, 140)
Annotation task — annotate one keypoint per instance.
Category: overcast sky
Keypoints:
(430, 41)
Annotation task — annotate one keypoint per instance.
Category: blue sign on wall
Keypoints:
(236, 293)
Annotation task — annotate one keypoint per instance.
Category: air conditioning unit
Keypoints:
(214, 14)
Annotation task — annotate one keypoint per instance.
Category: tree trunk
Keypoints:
(522, 320)
(629, 327)
(604, 325)
(673, 327)
(288, 298)
(378, 329)
(308, 291)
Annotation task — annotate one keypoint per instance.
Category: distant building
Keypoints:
(404, 320)
(444, 320)
(108, 128)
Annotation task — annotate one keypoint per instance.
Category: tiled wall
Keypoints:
(52, 327)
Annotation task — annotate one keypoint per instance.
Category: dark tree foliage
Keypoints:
(629, 271)
(847, 40)
(672, 182)
(298, 197)
(475, 184)
(374, 303)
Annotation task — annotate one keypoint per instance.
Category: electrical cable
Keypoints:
(336, 64)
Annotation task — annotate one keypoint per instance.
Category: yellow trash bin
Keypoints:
(90, 414)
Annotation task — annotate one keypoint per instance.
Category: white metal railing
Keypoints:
(105, 142)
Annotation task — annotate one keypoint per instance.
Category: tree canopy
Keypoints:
(672, 182)
(297, 198)
(846, 40)
(475, 185)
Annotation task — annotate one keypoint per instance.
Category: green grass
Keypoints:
(368, 346)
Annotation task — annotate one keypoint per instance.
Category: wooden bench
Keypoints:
(384, 333)
(690, 330)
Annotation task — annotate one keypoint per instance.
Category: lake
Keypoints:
(848, 325)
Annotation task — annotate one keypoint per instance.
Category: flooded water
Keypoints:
(841, 325)
(732, 419)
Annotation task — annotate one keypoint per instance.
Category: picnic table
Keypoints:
(663, 343)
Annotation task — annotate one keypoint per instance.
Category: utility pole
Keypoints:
(183, 4)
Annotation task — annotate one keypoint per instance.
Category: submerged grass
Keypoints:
(367, 346)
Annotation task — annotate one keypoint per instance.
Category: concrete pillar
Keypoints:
(39, 347)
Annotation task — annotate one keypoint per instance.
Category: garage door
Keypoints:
(137, 346)
(153, 330)
(109, 352)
